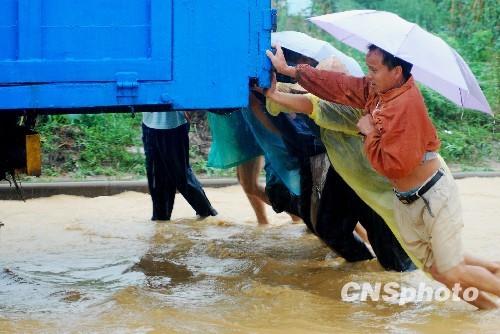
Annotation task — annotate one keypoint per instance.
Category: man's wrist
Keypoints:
(291, 71)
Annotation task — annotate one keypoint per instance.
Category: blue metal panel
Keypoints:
(80, 41)
(263, 21)
(220, 50)
(190, 54)
(211, 54)
(8, 30)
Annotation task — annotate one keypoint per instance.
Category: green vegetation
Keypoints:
(109, 144)
(91, 145)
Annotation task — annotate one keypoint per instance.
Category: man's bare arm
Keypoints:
(296, 102)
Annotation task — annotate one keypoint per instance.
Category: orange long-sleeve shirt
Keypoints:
(403, 129)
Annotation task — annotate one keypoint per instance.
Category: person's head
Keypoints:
(331, 63)
(294, 58)
(385, 71)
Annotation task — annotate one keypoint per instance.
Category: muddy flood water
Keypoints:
(71, 264)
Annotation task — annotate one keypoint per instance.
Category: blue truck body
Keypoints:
(74, 56)
(94, 56)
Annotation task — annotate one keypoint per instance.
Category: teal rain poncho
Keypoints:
(240, 137)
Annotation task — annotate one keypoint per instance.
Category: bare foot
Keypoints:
(295, 218)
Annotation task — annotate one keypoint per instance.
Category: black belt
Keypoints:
(416, 195)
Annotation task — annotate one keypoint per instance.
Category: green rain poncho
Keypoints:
(346, 153)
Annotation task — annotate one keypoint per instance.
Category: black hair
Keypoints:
(293, 59)
(391, 61)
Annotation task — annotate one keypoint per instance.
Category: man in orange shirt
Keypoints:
(401, 143)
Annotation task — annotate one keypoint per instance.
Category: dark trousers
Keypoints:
(281, 198)
(306, 192)
(339, 211)
(168, 170)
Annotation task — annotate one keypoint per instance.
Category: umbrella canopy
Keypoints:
(314, 48)
(435, 63)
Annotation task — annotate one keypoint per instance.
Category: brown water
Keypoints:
(98, 265)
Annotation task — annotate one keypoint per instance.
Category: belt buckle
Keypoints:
(406, 199)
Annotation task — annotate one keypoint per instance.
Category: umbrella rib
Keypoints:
(342, 40)
(462, 102)
(407, 34)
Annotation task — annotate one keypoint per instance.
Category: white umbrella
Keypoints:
(314, 48)
(435, 63)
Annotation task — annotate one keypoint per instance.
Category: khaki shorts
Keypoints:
(433, 234)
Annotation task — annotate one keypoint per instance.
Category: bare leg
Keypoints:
(492, 266)
(259, 207)
(471, 276)
(361, 232)
(248, 176)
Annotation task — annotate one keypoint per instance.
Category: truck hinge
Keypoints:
(126, 84)
(274, 20)
(270, 20)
